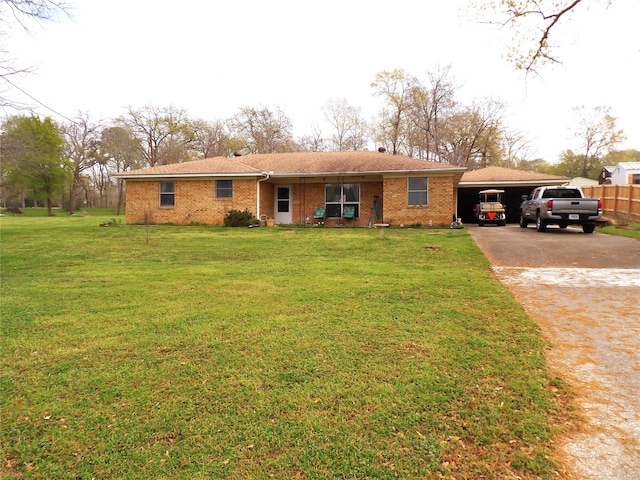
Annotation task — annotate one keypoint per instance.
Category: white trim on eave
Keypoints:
(514, 183)
(146, 176)
(431, 172)
(399, 173)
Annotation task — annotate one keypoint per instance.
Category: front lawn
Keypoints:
(199, 352)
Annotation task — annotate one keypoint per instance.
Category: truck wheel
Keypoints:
(588, 227)
(541, 225)
(523, 222)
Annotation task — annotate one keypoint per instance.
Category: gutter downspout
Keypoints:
(267, 175)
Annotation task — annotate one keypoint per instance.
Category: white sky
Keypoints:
(214, 57)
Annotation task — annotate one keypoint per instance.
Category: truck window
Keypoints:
(564, 193)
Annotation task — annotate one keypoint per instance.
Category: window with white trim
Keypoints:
(167, 194)
(417, 191)
(340, 195)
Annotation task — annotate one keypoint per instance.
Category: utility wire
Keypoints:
(37, 101)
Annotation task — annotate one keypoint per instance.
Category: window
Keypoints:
(418, 191)
(340, 195)
(283, 200)
(562, 193)
(224, 188)
(167, 194)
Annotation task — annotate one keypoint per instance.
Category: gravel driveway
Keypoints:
(584, 293)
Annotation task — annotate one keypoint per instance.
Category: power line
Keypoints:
(36, 100)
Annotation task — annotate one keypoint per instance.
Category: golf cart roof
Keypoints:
(491, 190)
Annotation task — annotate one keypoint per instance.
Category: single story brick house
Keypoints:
(353, 188)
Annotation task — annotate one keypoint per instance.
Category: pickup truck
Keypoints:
(560, 206)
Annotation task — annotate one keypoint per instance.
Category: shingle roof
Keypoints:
(207, 166)
(305, 163)
(502, 175)
(296, 164)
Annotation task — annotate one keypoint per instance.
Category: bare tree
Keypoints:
(313, 141)
(25, 13)
(163, 132)
(210, 139)
(431, 106)
(517, 148)
(396, 88)
(597, 133)
(263, 130)
(25, 10)
(471, 136)
(533, 22)
(81, 138)
(120, 150)
(348, 127)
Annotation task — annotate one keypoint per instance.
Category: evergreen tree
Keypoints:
(33, 150)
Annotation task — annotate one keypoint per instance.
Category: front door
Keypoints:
(283, 205)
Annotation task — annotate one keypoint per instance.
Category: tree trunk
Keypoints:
(72, 199)
(120, 190)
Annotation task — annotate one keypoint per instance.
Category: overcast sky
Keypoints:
(214, 57)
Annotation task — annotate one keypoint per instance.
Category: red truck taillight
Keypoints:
(550, 205)
(599, 204)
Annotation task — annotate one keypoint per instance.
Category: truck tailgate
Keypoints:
(585, 206)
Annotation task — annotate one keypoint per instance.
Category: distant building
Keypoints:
(605, 175)
(583, 181)
(626, 173)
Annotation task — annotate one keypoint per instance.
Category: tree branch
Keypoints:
(542, 44)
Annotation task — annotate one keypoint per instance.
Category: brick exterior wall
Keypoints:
(441, 199)
(196, 202)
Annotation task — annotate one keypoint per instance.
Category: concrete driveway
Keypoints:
(584, 292)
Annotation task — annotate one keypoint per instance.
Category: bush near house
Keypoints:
(237, 218)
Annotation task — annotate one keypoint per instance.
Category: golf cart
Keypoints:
(490, 208)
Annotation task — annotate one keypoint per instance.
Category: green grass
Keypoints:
(623, 226)
(264, 353)
(58, 212)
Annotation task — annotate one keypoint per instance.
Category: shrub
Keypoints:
(237, 218)
(13, 209)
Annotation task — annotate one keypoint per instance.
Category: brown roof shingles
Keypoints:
(502, 174)
(307, 163)
(222, 165)
(295, 163)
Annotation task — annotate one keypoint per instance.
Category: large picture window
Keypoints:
(340, 195)
(224, 188)
(418, 191)
(167, 194)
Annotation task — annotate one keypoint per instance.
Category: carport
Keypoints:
(515, 183)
